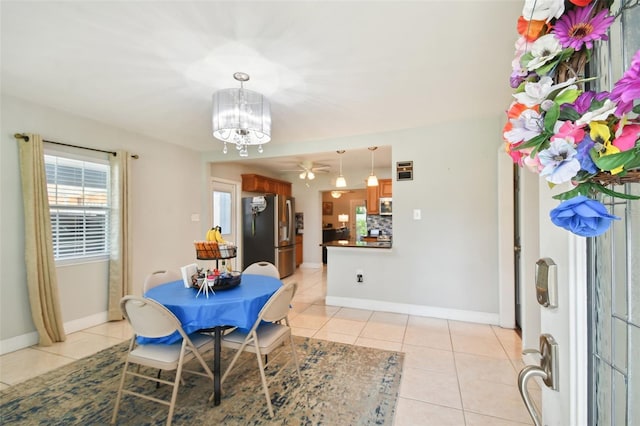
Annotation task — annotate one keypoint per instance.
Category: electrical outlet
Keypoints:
(359, 276)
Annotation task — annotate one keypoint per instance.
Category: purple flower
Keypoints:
(583, 148)
(517, 77)
(627, 89)
(575, 28)
(582, 216)
(583, 102)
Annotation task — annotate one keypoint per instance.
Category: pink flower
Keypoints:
(627, 89)
(533, 163)
(516, 155)
(575, 28)
(628, 137)
(569, 130)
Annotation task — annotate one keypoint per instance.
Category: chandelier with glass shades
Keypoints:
(241, 117)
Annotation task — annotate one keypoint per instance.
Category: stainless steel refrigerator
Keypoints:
(268, 232)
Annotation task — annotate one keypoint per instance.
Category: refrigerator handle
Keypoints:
(289, 220)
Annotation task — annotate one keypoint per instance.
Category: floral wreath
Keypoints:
(560, 131)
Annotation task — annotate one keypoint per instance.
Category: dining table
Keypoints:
(213, 313)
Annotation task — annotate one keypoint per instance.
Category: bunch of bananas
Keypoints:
(214, 234)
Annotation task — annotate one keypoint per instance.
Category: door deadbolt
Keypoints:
(546, 283)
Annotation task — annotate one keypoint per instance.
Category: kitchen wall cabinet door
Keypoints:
(373, 200)
(266, 185)
(385, 187)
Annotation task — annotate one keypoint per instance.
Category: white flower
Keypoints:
(536, 92)
(546, 105)
(558, 161)
(543, 50)
(599, 114)
(542, 10)
(528, 125)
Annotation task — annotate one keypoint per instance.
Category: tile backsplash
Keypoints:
(383, 223)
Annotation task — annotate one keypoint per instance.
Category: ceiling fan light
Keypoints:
(303, 175)
(336, 194)
(311, 175)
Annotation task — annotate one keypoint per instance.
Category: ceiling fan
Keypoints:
(307, 169)
(338, 194)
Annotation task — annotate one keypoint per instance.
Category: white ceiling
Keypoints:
(329, 69)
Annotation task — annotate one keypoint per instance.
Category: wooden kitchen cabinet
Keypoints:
(298, 250)
(385, 187)
(373, 203)
(266, 185)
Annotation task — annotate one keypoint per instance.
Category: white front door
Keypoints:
(567, 322)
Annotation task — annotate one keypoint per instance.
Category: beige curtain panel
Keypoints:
(42, 282)
(120, 260)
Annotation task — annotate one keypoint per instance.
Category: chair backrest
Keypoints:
(262, 268)
(278, 305)
(160, 277)
(149, 318)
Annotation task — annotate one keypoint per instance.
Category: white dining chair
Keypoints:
(159, 277)
(150, 319)
(262, 268)
(265, 336)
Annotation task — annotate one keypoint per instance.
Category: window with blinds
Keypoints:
(79, 204)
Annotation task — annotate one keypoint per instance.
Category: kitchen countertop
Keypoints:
(359, 244)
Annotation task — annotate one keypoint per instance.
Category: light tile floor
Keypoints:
(455, 373)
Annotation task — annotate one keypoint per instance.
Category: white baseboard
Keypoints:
(25, 340)
(13, 344)
(309, 265)
(418, 310)
(86, 322)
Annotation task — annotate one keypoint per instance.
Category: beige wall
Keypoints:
(445, 261)
(341, 205)
(166, 182)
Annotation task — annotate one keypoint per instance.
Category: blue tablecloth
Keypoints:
(237, 307)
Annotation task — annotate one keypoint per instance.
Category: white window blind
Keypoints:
(79, 204)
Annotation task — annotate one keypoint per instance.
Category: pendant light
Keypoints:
(372, 180)
(341, 181)
(241, 117)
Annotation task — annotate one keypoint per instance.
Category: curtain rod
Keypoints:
(26, 139)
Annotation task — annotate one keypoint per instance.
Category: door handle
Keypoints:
(547, 370)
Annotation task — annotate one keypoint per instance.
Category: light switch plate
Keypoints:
(417, 214)
(195, 217)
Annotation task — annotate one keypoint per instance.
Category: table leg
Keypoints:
(217, 350)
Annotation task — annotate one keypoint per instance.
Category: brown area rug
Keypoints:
(342, 385)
